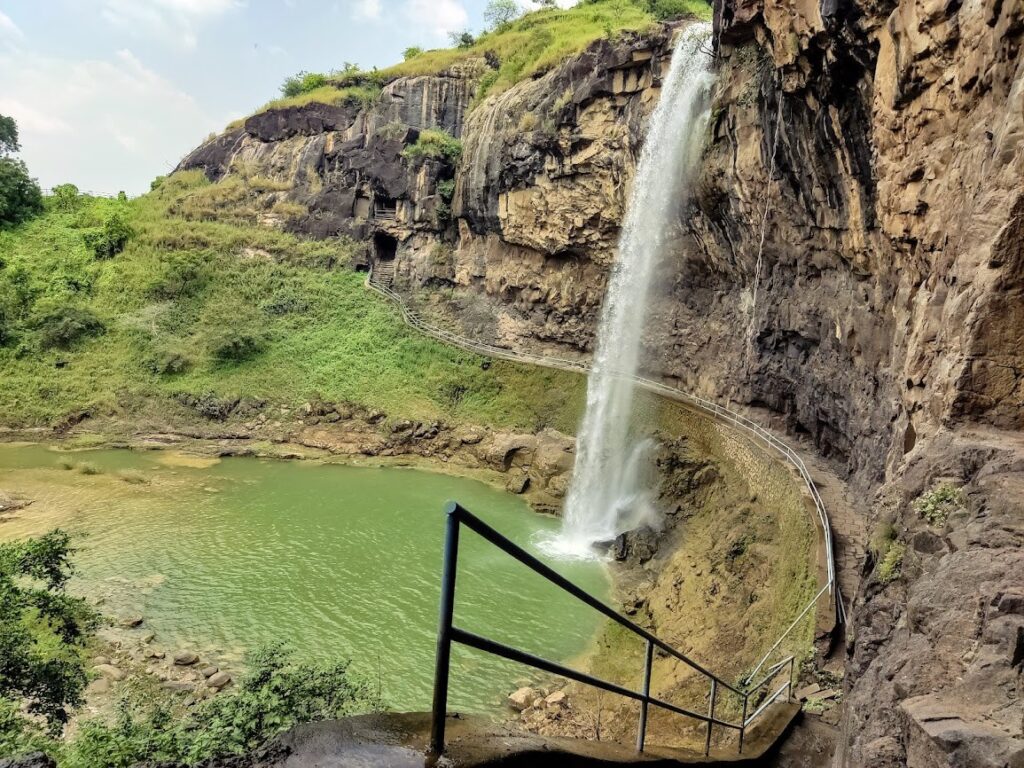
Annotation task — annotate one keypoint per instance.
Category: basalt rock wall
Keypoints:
(850, 262)
(854, 262)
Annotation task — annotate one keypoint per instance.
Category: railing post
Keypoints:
(444, 632)
(743, 721)
(711, 715)
(792, 671)
(641, 735)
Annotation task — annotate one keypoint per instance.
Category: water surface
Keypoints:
(339, 561)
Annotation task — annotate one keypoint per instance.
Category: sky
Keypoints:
(109, 94)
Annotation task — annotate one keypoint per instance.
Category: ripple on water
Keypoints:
(337, 561)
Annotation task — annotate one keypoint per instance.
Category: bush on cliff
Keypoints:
(437, 145)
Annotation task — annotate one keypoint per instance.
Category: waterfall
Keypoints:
(610, 491)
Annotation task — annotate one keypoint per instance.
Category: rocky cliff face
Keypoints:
(859, 225)
(852, 262)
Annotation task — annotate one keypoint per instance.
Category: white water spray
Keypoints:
(610, 492)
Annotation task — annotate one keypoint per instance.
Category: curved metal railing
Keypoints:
(448, 634)
(718, 412)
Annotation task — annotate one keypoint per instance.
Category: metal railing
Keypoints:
(448, 633)
(713, 409)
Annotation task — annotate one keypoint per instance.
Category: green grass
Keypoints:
(296, 321)
(534, 43)
(526, 47)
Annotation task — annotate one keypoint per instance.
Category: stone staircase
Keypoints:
(383, 273)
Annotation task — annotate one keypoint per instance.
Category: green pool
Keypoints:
(339, 561)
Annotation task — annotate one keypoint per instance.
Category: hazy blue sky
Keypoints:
(111, 93)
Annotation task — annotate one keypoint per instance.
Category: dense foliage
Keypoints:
(42, 632)
(202, 300)
(20, 196)
(275, 694)
(434, 144)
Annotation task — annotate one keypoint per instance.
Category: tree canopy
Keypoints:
(8, 135)
(20, 196)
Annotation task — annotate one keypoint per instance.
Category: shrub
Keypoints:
(303, 82)
(275, 695)
(528, 122)
(411, 52)
(486, 83)
(65, 197)
(110, 239)
(891, 565)
(184, 274)
(170, 362)
(463, 39)
(286, 303)
(232, 345)
(436, 145)
(65, 326)
(670, 9)
(936, 505)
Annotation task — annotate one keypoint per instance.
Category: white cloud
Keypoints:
(366, 10)
(103, 124)
(10, 33)
(8, 28)
(439, 17)
(176, 20)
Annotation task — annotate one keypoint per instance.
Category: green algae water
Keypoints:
(221, 556)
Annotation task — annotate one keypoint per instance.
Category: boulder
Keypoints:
(518, 481)
(98, 686)
(185, 658)
(219, 680)
(210, 671)
(521, 698)
(132, 621)
(179, 686)
(556, 699)
(109, 671)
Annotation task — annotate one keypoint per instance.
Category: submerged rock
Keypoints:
(185, 658)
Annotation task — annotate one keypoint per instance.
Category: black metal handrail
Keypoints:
(448, 633)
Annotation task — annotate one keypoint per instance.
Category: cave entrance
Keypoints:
(385, 248)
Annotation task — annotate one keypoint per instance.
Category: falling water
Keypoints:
(610, 493)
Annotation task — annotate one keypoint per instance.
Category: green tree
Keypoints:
(42, 628)
(8, 136)
(500, 12)
(411, 52)
(20, 196)
(65, 197)
(463, 39)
